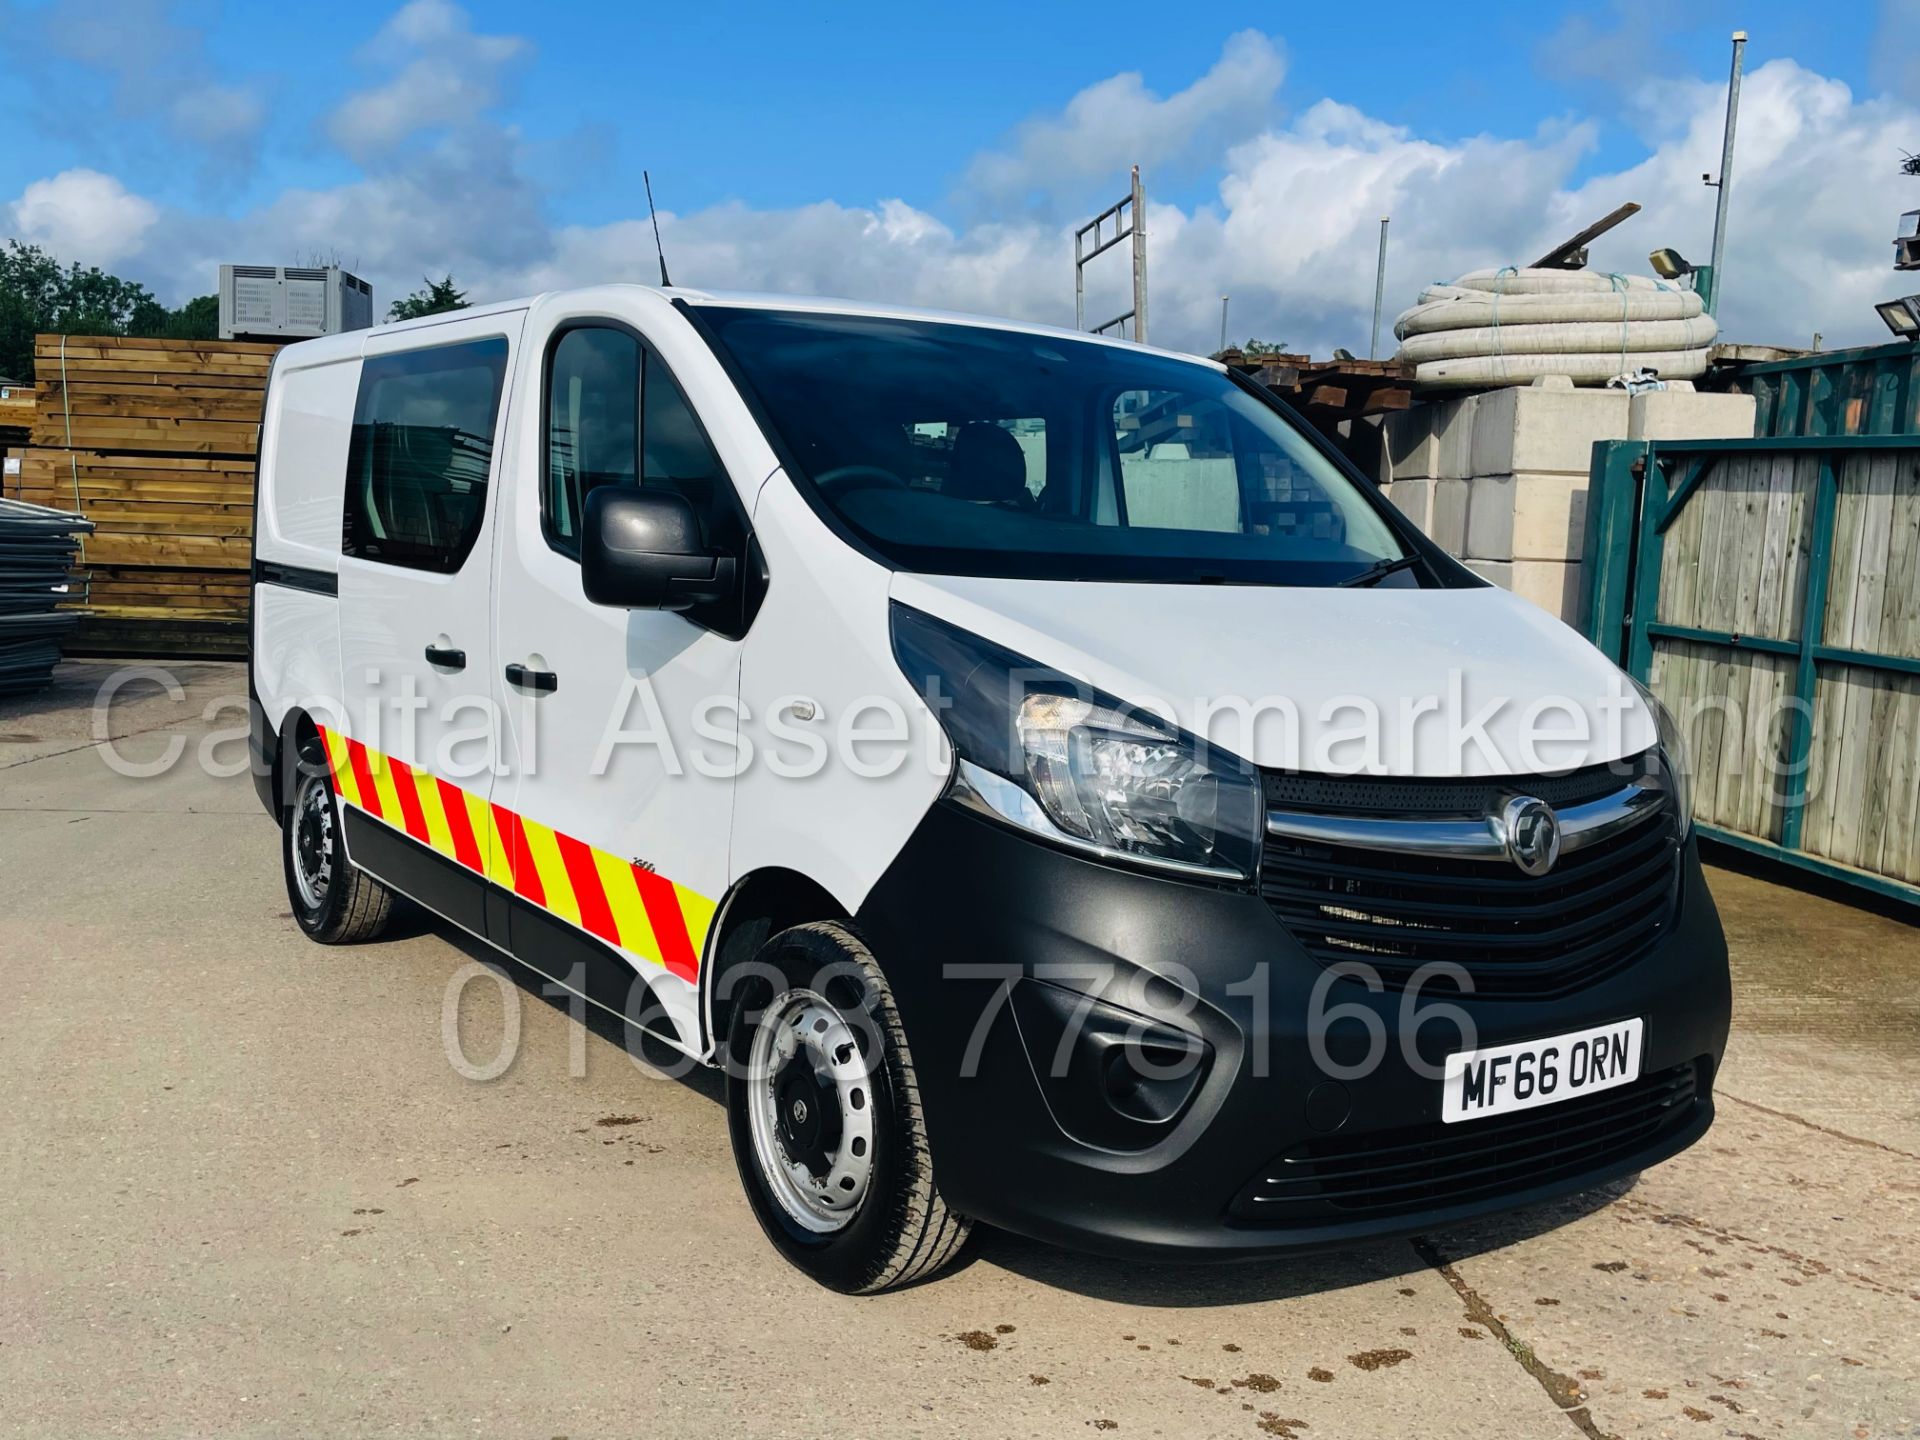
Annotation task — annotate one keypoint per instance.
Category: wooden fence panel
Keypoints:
(1735, 709)
(1736, 555)
(1863, 805)
(1772, 593)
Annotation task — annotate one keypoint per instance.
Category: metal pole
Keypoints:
(1223, 323)
(1139, 259)
(1379, 290)
(1726, 169)
(1079, 286)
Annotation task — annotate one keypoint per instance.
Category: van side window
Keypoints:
(615, 416)
(421, 451)
(675, 452)
(593, 425)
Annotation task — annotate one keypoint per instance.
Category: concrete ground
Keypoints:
(244, 1191)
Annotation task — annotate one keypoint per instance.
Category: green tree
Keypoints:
(29, 284)
(438, 297)
(198, 319)
(38, 296)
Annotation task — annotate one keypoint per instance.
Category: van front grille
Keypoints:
(1423, 1167)
(1514, 935)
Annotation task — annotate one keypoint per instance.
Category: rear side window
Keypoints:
(421, 452)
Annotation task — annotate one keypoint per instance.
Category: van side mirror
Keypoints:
(641, 549)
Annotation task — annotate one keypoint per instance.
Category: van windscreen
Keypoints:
(964, 450)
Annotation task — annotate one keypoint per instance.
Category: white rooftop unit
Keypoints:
(291, 302)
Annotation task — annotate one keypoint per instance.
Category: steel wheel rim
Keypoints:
(801, 1032)
(313, 843)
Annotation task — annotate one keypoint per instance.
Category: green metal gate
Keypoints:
(1768, 590)
(1874, 390)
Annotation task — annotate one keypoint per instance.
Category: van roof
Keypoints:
(757, 300)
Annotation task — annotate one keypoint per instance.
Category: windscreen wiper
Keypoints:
(1379, 571)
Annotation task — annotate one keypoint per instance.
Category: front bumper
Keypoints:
(969, 904)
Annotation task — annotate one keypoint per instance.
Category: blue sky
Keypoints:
(948, 146)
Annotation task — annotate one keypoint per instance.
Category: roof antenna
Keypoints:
(647, 180)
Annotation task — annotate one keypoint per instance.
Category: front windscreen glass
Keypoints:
(963, 450)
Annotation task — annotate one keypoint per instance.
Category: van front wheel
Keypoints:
(334, 901)
(824, 1111)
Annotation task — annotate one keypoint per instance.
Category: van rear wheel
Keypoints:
(824, 1111)
(334, 901)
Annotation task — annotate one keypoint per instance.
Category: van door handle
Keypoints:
(545, 681)
(446, 657)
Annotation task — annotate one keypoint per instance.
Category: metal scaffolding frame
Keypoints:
(1129, 219)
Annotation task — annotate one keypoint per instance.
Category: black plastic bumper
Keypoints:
(969, 903)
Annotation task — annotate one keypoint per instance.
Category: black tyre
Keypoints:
(825, 1116)
(333, 900)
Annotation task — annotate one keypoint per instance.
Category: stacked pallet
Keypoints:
(154, 442)
(37, 549)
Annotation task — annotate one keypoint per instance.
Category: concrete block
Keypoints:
(1448, 528)
(1407, 443)
(1432, 441)
(1453, 430)
(1526, 517)
(1544, 429)
(1414, 498)
(1688, 415)
(1553, 585)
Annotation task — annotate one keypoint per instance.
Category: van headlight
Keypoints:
(1673, 757)
(1042, 751)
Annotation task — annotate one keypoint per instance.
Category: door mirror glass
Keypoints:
(642, 550)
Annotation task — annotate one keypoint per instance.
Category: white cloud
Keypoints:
(446, 76)
(83, 215)
(158, 67)
(1290, 232)
(1812, 209)
(214, 115)
(1119, 122)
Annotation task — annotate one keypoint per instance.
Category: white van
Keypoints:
(1059, 791)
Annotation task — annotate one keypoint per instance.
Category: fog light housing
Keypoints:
(1112, 1079)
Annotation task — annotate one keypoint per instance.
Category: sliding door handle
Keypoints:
(544, 681)
(446, 657)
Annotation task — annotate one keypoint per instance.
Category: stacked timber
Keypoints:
(17, 407)
(154, 441)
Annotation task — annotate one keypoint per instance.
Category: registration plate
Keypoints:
(1540, 1072)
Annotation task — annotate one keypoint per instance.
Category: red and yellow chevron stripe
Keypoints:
(629, 907)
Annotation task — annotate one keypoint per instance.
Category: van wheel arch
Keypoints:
(759, 906)
(295, 730)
